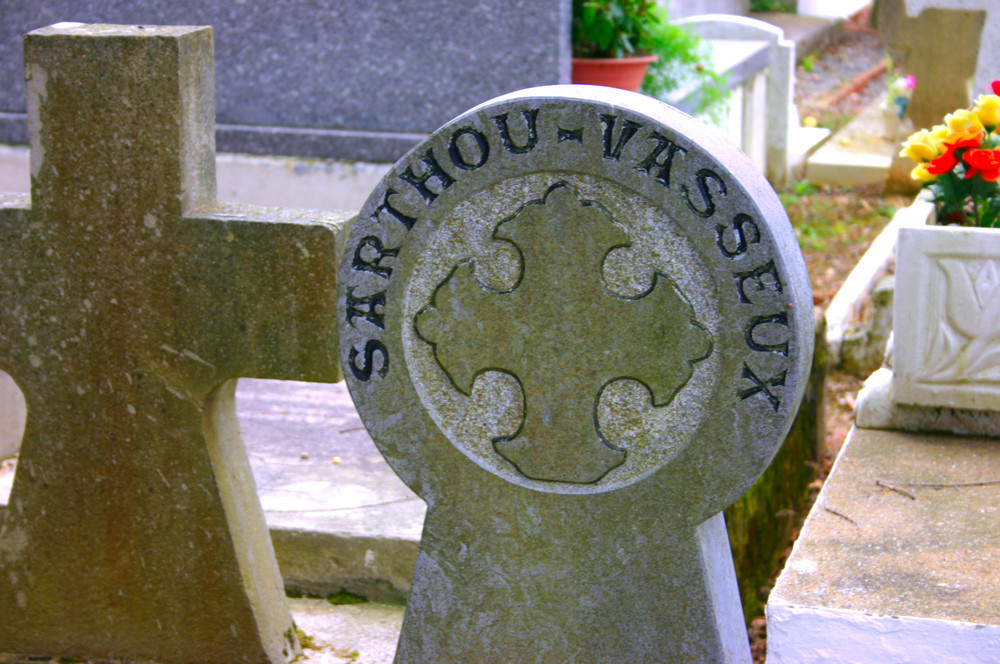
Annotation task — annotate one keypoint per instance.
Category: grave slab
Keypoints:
(898, 561)
(911, 31)
(131, 303)
(941, 67)
(984, 38)
(543, 308)
(945, 339)
(339, 517)
(810, 33)
(846, 311)
(877, 408)
(857, 154)
(768, 61)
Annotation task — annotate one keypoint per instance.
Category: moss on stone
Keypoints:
(343, 598)
(762, 523)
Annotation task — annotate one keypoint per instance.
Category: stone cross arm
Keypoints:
(266, 274)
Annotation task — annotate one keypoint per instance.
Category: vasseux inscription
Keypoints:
(433, 172)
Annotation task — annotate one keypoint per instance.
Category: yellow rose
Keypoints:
(963, 120)
(920, 173)
(988, 111)
(923, 146)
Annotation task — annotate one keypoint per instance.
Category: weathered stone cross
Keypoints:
(549, 315)
(129, 301)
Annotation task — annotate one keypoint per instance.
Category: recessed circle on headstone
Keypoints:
(576, 289)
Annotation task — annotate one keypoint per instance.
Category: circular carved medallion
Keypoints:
(569, 286)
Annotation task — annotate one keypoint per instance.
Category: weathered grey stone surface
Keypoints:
(987, 43)
(12, 416)
(348, 80)
(942, 67)
(899, 560)
(130, 302)
(576, 323)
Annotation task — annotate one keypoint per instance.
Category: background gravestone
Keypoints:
(942, 68)
(129, 303)
(334, 78)
(578, 324)
(986, 43)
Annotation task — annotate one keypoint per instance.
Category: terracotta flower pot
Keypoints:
(624, 73)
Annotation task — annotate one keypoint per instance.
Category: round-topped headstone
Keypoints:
(576, 289)
(577, 323)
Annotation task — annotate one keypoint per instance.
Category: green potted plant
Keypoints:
(611, 41)
(631, 44)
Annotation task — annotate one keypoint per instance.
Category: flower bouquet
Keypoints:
(959, 161)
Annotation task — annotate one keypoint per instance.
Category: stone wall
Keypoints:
(346, 80)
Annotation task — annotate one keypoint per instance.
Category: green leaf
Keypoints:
(991, 215)
(602, 34)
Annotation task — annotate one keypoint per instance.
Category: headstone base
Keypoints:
(877, 409)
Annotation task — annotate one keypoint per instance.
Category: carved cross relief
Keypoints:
(562, 335)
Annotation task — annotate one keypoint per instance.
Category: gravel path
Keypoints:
(821, 76)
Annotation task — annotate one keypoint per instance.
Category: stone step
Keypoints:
(339, 517)
(347, 634)
(857, 154)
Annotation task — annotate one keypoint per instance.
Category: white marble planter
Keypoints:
(947, 318)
